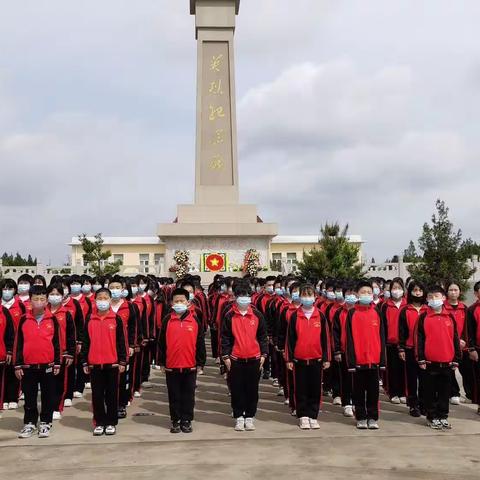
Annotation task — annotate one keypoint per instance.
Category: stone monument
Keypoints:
(216, 223)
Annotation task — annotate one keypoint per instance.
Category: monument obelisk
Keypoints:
(216, 222)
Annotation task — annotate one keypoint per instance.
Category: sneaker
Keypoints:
(466, 400)
(266, 375)
(362, 424)
(22, 396)
(57, 416)
(280, 392)
(88, 385)
(455, 401)
(435, 424)
(67, 402)
(415, 412)
(240, 424)
(175, 428)
(445, 424)
(348, 411)
(275, 382)
(286, 402)
(293, 413)
(395, 400)
(137, 394)
(99, 430)
(314, 425)
(304, 423)
(403, 400)
(44, 430)
(5, 406)
(27, 431)
(372, 424)
(201, 372)
(186, 426)
(110, 430)
(12, 405)
(122, 413)
(77, 394)
(249, 425)
(337, 401)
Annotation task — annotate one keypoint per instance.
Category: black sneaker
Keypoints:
(415, 412)
(122, 412)
(266, 375)
(186, 426)
(175, 428)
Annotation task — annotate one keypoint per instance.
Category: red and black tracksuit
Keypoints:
(141, 305)
(181, 348)
(365, 353)
(66, 333)
(331, 377)
(437, 347)
(473, 344)
(308, 347)
(395, 375)
(219, 299)
(244, 341)
(407, 324)
(37, 353)
(339, 340)
(103, 350)
(7, 335)
(150, 335)
(262, 304)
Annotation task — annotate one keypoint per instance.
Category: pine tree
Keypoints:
(96, 257)
(410, 254)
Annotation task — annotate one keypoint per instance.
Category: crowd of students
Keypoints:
(336, 338)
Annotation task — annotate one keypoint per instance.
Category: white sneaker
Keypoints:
(97, 431)
(286, 402)
(249, 425)
(240, 424)
(280, 392)
(395, 400)
(77, 395)
(372, 424)
(5, 406)
(110, 430)
(275, 382)
(12, 405)
(44, 430)
(403, 400)
(455, 401)
(304, 423)
(67, 402)
(445, 424)
(201, 372)
(137, 394)
(22, 396)
(466, 400)
(27, 431)
(88, 385)
(57, 416)
(337, 401)
(348, 411)
(314, 425)
(362, 424)
(293, 413)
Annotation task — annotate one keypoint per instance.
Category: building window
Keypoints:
(144, 259)
(276, 256)
(118, 257)
(291, 257)
(159, 262)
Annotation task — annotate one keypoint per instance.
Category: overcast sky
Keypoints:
(362, 111)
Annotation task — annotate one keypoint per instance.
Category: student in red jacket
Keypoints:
(390, 311)
(25, 282)
(7, 335)
(104, 357)
(459, 311)
(473, 344)
(438, 352)
(244, 349)
(37, 361)
(407, 324)
(308, 344)
(365, 352)
(181, 350)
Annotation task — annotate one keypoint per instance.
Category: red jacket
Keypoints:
(339, 331)
(308, 338)
(73, 306)
(285, 317)
(127, 313)
(244, 336)
(181, 342)
(66, 331)
(365, 338)
(473, 326)
(390, 313)
(437, 338)
(7, 334)
(407, 323)
(16, 310)
(37, 343)
(459, 313)
(104, 340)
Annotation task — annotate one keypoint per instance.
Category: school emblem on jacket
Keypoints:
(316, 324)
(112, 326)
(190, 328)
(252, 322)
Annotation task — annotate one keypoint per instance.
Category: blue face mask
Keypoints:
(351, 299)
(96, 287)
(376, 291)
(338, 296)
(296, 297)
(141, 288)
(365, 299)
(23, 288)
(279, 291)
(191, 296)
(86, 288)
(386, 294)
(307, 301)
(116, 293)
(244, 301)
(75, 289)
(331, 296)
(7, 295)
(179, 308)
(134, 290)
(223, 288)
(435, 303)
(269, 290)
(102, 305)
(124, 293)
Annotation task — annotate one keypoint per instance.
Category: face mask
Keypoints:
(55, 300)
(116, 293)
(23, 288)
(386, 294)
(141, 288)
(223, 288)
(365, 299)
(258, 289)
(244, 301)
(307, 301)
(39, 304)
(75, 289)
(102, 305)
(351, 299)
(269, 290)
(7, 295)
(397, 293)
(124, 293)
(331, 295)
(191, 296)
(134, 290)
(96, 287)
(338, 296)
(416, 299)
(376, 291)
(435, 303)
(65, 292)
(179, 308)
(105, 285)
(295, 297)
(318, 290)
(86, 288)
(279, 291)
